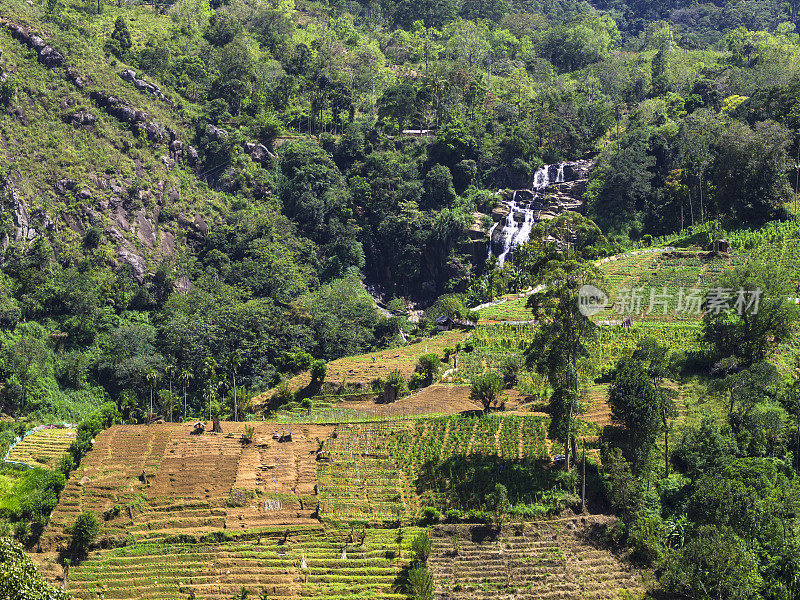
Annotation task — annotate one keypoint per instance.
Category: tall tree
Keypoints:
(560, 343)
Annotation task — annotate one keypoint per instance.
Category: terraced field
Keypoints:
(304, 511)
(43, 448)
(166, 481)
(364, 368)
(304, 562)
(545, 560)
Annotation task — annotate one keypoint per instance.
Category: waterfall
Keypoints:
(527, 212)
(525, 231)
(541, 178)
(509, 231)
(491, 231)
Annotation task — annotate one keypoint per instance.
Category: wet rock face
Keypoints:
(555, 189)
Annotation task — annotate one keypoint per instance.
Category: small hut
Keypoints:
(722, 247)
(444, 323)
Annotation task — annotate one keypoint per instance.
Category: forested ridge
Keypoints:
(203, 199)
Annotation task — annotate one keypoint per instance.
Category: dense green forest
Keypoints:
(296, 160)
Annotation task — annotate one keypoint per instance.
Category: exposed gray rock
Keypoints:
(136, 262)
(192, 157)
(144, 85)
(201, 225)
(216, 134)
(261, 154)
(145, 230)
(84, 194)
(79, 81)
(153, 132)
(64, 185)
(82, 118)
(166, 242)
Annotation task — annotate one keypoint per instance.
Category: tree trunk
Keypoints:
(583, 481)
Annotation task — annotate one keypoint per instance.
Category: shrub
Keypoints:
(430, 515)
(428, 365)
(417, 381)
(7, 93)
(319, 368)
(453, 515)
(249, 434)
(421, 547)
(645, 538)
(478, 516)
(111, 513)
(511, 368)
(84, 531)
(485, 389)
(283, 395)
(420, 583)
(394, 386)
(19, 579)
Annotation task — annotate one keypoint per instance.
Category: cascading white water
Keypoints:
(512, 234)
(510, 230)
(491, 231)
(541, 178)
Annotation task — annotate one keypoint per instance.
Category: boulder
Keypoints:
(261, 154)
(82, 119)
(76, 78)
(201, 225)
(153, 132)
(192, 157)
(216, 134)
(63, 185)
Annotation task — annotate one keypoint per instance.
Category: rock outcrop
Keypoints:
(47, 55)
(143, 85)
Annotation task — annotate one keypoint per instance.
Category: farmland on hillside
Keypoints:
(43, 448)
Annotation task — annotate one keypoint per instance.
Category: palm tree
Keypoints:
(170, 369)
(153, 377)
(233, 360)
(185, 377)
(212, 384)
(210, 393)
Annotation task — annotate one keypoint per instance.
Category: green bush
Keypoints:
(421, 547)
(429, 516)
(84, 532)
(19, 579)
(420, 583)
(486, 388)
(453, 515)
